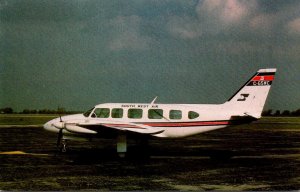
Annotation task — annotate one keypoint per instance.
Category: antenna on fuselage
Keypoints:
(152, 102)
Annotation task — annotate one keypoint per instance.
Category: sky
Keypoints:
(78, 53)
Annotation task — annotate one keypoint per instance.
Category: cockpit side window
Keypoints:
(101, 112)
(88, 112)
(117, 113)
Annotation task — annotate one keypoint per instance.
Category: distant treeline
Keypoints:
(9, 110)
(284, 113)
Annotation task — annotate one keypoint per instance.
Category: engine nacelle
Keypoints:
(80, 130)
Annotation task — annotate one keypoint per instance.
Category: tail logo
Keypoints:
(256, 89)
(243, 97)
(262, 79)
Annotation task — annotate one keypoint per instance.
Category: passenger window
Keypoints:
(175, 114)
(135, 113)
(102, 112)
(117, 113)
(193, 115)
(155, 113)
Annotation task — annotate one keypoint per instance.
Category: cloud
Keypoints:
(294, 26)
(184, 27)
(263, 23)
(226, 11)
(245, 18)
(126, 34)
(55, 41)
(212, 17)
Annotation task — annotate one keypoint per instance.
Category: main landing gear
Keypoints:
(121, 144)
(141, 150)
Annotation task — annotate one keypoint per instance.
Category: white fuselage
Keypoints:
(167, 120)
(177, 120)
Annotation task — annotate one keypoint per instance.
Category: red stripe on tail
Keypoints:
(263, 78)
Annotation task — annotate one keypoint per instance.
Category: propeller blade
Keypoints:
(59, 137)
(59, 125)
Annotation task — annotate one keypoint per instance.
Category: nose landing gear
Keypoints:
(62, 146)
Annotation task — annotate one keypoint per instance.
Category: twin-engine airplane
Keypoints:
(165, 120)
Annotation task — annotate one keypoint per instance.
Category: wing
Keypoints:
(132, 127)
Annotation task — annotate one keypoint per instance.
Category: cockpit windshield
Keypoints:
(87, 113)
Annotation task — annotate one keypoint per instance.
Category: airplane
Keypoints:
(119, 120)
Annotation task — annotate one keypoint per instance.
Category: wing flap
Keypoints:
(137, 128)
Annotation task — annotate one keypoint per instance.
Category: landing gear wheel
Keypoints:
(63, 146)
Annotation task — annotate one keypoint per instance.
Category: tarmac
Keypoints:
(252, 157)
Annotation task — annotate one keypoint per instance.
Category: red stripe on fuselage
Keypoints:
(174, 124)
(123, 126)
(187, 124)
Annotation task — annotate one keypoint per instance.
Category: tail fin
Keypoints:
(251, 97)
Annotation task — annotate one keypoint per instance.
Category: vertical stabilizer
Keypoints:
(250, 98)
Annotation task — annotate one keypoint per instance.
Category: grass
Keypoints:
(25, 119)
(281, 119)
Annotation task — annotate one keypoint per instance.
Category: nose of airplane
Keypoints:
(55, 125)
(49, 126)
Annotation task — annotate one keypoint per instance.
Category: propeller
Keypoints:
(59, 137)
(60, 126)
